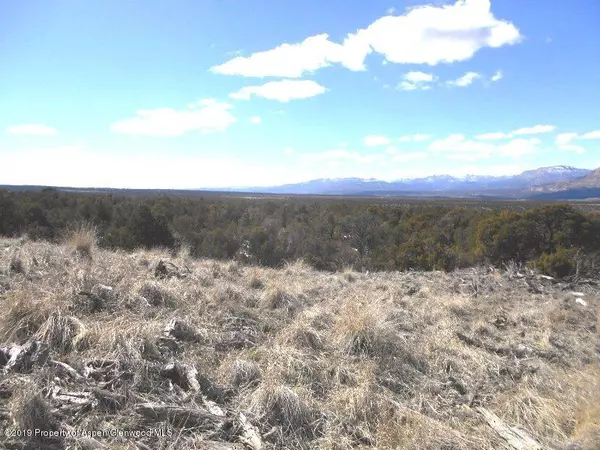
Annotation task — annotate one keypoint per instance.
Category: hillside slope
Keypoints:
(215, 355)
(590, 181)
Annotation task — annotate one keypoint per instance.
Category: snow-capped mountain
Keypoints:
(435, 184)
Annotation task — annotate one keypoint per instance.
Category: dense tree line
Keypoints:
(329, 235)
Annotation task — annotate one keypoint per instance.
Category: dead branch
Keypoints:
(516, 438)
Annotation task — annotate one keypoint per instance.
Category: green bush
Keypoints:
(558, 264)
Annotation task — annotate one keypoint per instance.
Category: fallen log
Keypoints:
(516, 438)
(64, 368)
(181, 416)
(109, 400)
(184, 375)
(475, 342)
(247, 433)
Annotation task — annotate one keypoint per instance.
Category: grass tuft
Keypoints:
(84, 240)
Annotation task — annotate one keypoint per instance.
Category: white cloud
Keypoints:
(466, 80)
(289, 150)
(32, 130)
(416, 81)
(375, 140)
(206, 116)
(417, 77)
(591, 135)
(255, 120)
(564, 141)
(538, 129)
(293, 60)
(282, 91)
(493, 136)
(423, 35)
(457, 146)
(414, 138)
(497, 76)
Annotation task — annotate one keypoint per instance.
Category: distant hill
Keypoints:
(590, 181)
(447, 185)
(531, 183)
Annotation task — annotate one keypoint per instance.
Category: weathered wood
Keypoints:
(214, 445)
(22, 358)
(180, 416)
(516, 438)
(475, 342)
(247, 433)
(184, 375)
(109, 400)
(66, 369)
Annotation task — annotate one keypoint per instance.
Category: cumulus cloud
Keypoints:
(457, 146)
(591, 135)
(205, 116)
(416, 81)
(423, 35)
(565, 141)
(294, 60)
(281, 91)
(538, 129)
(466, 80)
(32, 130)
(374, 140)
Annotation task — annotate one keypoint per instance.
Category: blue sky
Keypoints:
(216, 93)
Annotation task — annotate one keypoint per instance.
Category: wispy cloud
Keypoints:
(457, 146)
(536, 129)
(281, 91)
(466, 80)
(32, 130)
(255, 120)
(205, 116)
(566, 141)
(413, 81)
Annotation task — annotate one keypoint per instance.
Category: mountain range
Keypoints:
(531, 183)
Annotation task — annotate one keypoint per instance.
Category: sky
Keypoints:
(226, 93)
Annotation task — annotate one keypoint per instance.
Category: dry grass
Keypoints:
(314, 360)
(83, 240)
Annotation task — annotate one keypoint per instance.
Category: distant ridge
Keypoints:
(435, 184)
